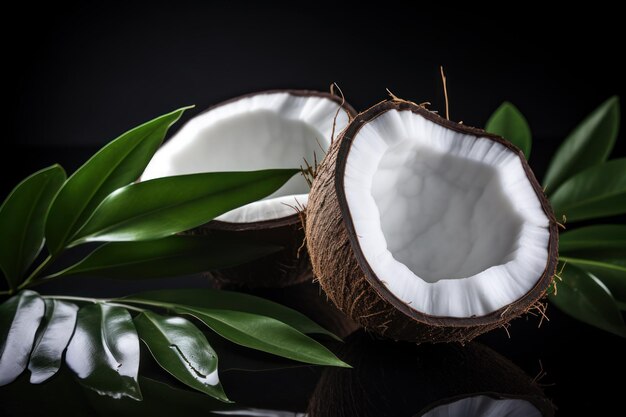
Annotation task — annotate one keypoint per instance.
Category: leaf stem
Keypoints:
(106, 301)
(161, 304)
(590, 262)
(141, 310)
(73, 298)
(36, 272)
(7, 292)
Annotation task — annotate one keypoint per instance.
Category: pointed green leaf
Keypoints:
(164, 206)
(230, 300)
(166, 257)
(182, 350)
(585, 298)
(117, 164)
(613, 275)
(265, 334)
(598, 191)
(52, 338)
(22, 219)
(19, 318)
(590, 143)
(507, 121)
(104, 351)
(240, 360)
(596, 237)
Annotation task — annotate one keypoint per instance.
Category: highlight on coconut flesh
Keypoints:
(423, 229)
(273, 129)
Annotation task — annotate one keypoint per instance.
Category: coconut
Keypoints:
(423, 229)
(398, 379)
(272, 129)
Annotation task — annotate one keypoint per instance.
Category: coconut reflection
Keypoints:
(482, 405)
(400, 379)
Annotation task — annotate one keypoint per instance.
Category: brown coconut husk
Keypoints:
(344, 272)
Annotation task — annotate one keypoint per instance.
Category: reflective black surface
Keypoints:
(402, 379)
(388, 379)
(572, 364)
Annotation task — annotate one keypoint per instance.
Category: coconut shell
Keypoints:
(399, 379)
(344, 272)
(288, 267)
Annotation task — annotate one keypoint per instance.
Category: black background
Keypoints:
(80, 74)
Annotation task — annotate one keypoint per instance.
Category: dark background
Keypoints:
(80, 74)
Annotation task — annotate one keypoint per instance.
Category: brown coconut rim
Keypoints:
(345, 273)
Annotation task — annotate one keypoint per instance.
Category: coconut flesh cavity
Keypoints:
(447, 225)
(267, 130)
(276, 129)
(456, 229)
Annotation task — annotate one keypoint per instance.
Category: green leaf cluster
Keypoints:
(100, 338)
(138, 225)
(582, 184)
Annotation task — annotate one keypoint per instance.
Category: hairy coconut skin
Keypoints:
(291, 265)
(345, 274)
(399, 379)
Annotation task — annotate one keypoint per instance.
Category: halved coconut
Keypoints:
(403, 379)
(273, 129)
(424, 229)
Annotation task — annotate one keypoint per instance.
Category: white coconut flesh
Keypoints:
(483, 406)
(262, 131)
(449, 222)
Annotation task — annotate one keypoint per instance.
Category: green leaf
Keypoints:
(585, 298)
(239, 360)
(265, 334)
(104, 351)
(53, 336)
(596, 237)
(22, 218)
(117, 164)
(507, 121)
(613, 275)
(19, 318)
(166, 257)
(229, 300)
(164, 206)
(182, 350)
(590, 143)
(598, 191)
